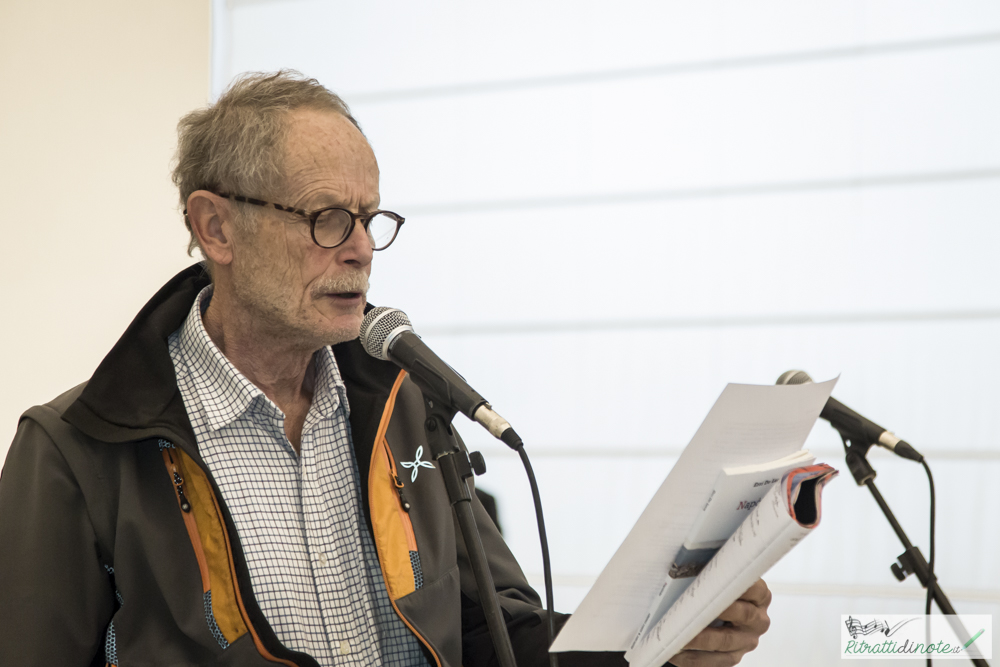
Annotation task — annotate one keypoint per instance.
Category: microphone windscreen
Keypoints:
(794, 377)
(380, 328)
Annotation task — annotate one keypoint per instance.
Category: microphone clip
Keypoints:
(856, 455)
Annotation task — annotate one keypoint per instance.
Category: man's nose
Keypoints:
(357, 249)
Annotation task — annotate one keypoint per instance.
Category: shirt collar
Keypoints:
(226, 394)
(329, 390)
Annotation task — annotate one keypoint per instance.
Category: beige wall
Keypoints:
(90, 93)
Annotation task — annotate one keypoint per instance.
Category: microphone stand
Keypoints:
(456, 467)
(911, 561)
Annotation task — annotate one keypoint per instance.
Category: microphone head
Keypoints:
(794, 377)
(380, 328)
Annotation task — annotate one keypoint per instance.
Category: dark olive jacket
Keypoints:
(116, 543)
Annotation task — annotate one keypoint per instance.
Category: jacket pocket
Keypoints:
(398, 554)
(204, 525)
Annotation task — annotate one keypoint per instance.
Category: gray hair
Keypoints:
(235, 145)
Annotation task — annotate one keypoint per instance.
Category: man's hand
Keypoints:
(745, 621)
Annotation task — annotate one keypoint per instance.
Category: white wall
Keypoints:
(90, 93)
(614, 208)
(657, 198)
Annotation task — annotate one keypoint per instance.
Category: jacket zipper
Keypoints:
(189, 520)
(402, 505)
(410, 537)
(403, 502)
(179, 483)
(381, 443)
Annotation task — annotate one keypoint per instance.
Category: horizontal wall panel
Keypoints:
(916, 248)
(885, 115)
(392, 45)
(933, 384)
(614, 209)
(591, 504)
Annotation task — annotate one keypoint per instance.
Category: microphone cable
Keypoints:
(512, 440)
(931, 580)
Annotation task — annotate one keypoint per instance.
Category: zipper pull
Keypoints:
(165, 447)
(179, 483)
(399, 489)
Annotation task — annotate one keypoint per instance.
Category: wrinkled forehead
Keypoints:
(324, 145)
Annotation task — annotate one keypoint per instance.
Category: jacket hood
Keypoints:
(133, 393)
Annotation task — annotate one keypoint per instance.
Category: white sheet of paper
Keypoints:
(748, 424)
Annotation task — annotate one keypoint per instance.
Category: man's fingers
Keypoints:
(705, 659)
(748, 616)
(758, 594)
(724, 646)
(725, 639)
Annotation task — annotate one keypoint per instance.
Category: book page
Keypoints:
(787, 513)
(736, 493)
(749, 424)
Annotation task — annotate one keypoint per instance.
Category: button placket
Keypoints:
(330, 587)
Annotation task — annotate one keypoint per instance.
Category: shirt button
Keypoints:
(345, 647)
(322, 559)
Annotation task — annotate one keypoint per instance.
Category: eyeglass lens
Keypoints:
(335, 225)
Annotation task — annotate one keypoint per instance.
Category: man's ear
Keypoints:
(211, 221)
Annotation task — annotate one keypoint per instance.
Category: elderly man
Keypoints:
(224, 490)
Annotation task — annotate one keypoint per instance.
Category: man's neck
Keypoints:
(283, 372)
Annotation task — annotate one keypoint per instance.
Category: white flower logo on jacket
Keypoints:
(417, 464)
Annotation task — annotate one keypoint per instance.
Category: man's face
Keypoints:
(307, 295)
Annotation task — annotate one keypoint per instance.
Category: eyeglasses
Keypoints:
(332, 226)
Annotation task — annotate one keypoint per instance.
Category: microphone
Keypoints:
(386, 334)
(846, 420)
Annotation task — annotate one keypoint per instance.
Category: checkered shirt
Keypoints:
(313, 564)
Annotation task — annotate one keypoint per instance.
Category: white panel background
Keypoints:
(613, 209)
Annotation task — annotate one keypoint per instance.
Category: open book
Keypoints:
(750, 439)
(788, 511)
(737, 491)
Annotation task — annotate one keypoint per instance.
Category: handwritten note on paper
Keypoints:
(748, 424)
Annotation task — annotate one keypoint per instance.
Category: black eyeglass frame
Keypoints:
(313, 216)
